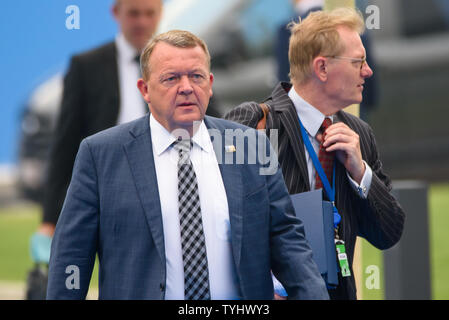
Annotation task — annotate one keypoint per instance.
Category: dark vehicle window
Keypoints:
(424, 17)
(249, 32)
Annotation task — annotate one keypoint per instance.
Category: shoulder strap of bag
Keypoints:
(262, 124)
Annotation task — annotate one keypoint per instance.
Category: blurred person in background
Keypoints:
(302, 9)
(99, 92)
(328, 71)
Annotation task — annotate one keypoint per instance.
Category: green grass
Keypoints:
(17, 224)
(371, 257)
(439, 240)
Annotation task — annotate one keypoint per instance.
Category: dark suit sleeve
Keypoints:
(291, 255)
(75, 241)
(381, 218)
(247, 113)
(66, 139)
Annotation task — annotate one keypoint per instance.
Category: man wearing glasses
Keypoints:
(328, 70)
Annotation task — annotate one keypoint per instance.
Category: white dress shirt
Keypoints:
(312, 119)
(214, 212)
(131, 102)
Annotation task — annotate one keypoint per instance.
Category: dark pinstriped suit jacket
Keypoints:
(379, 218)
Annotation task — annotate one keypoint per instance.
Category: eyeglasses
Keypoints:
(362, 61)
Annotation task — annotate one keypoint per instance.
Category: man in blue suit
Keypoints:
(167, 207)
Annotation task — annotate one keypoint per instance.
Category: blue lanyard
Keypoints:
(330, 191)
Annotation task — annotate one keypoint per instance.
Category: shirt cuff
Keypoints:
(362, 189)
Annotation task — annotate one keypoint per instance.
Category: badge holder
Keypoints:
(330, 191)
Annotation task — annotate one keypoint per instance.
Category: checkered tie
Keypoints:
(326, 158)
(194, 256)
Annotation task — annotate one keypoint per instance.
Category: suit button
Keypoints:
(162, 287)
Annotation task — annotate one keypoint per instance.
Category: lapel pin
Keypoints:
(230, 148)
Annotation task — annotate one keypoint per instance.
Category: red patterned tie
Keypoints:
(326, 158)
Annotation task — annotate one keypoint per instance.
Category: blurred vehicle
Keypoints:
(412, 59)
(237, 33)
(36, 131)
(240, 36)
(411, 51)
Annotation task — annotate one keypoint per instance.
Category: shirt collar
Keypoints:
(165, 139)
(310, 116)
(124, 49)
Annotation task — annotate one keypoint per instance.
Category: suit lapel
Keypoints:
(115, 105)
(234, 192)
(289, 120)
(232, 181)
(110, 72)
(139, 152)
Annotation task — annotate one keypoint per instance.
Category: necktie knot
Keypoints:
(183, 146)
(326, 124)
(326, 158)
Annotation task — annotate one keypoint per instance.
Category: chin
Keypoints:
(188, 120)
(357, 100)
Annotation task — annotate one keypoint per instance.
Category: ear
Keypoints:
(211, 81)
(114, 11)
(320, 68)
(143, 88)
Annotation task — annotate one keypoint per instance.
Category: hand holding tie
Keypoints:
(346, 143)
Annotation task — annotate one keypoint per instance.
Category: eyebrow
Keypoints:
(164, 75)
(178, 73)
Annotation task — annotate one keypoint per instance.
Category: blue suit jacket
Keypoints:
(112, 208)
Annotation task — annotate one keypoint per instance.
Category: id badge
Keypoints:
(342, 258)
